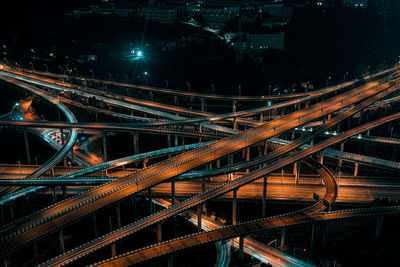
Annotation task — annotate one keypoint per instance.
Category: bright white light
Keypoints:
(1, 67)
(145, 73)
(133, 51)
(139, 53)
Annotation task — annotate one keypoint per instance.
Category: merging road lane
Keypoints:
(50, 219)
(330, 196)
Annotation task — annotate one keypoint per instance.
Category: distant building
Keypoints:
(215, 16)
(105, 9)
(278, 10)
(266, 41)
(160, 14)
(355, 3)
(345, 3)
(102, 10)
(77, 13)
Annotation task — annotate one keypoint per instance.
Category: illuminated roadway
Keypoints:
(211, 96)
(122, 101)
(218, 191)
(71, 137)
(242, 229)
(250, 137)
(251, 227)
(172, 167)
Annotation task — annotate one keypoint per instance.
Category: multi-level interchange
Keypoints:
(241, 151)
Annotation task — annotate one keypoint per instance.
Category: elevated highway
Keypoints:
(76, 207)
(242, 229)
(68, 114)
(330, 196)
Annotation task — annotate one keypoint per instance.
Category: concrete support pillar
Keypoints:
(176, 101)
(293, 135)
(355, 169)
(203, 189)
(234, 207)
(325, 234)
(35, 254)
(118, 214)
(200, 131)
(264, 198)
(113, 250)
(54, 195)
(283, 237)
(151, 96)
(105, 146)
(247, 151)
(379, 223)
(145, 163)
(390, 129)
(265, 147)
(296, 170)
(159, 232)
(218, 163)
(202, 105)
(360, 117)
(135, 143)
(113, 245)
(307, 104)
(28, 154)
(341, 149)
(199, 218)
(235, 123)
(241, 248)
(233, 106)
(52, 171)
(176, 140)
(338, 128)
(94, 224)
(260, 151)
(61, 241)
(171, 260)
(262, 116)
(135, 146)
(230, 159)
(169, 140)
(64, 192)
(183, 140)
(312, 234)
(173, 190)
(150, 199)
